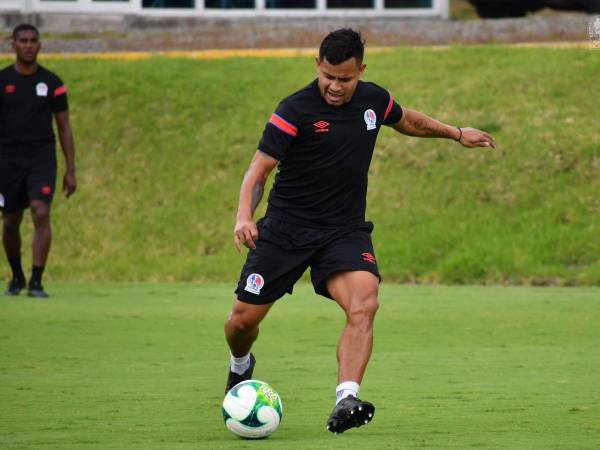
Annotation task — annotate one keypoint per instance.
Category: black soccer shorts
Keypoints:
(284, 251)
(25, 179)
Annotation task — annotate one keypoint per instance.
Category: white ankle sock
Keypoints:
(345, 389)
(241, 364)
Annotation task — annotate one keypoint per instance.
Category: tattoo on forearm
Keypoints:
(427, 127)
(257, 193)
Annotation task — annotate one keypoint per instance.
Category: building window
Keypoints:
(229, 4)
(408, 3)
(349, 4)
(167, 3)
(290, 4)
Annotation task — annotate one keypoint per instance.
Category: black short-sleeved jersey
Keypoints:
(27, 103)
(324, 154)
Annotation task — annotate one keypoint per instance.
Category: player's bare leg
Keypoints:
(356, 292)
(42, 238)
(11, 241)
(241, 330)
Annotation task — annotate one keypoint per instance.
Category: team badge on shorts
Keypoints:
(370, 119)
(254, 283)
(41, 89)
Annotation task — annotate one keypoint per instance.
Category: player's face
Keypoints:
(27, 45)
(338, 83)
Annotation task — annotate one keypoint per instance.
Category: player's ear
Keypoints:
(317, 61)
(362, 68)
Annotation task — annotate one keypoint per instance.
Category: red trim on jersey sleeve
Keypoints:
(389, 107)
(59, 91)
(283, 125)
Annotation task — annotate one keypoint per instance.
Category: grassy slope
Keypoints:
(143, 366)
(163, 145)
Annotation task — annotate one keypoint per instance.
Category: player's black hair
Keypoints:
(341, 45)
(23, 27)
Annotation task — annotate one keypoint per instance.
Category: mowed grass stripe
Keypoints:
(269, 52)
(142, 366)
(193, 54)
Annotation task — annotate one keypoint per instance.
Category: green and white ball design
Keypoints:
(252, 409)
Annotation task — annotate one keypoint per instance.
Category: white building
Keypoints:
(235, 8)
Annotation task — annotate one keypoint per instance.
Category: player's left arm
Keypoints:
(414, 123)
(65, 136)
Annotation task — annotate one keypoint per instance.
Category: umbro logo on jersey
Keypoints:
(321, 126)
(10, 88)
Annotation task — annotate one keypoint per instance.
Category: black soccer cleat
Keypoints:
(15, 286)
(234, 378)
(350, 412)
(36, 290)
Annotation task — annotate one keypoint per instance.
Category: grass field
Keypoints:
(142, 366)
(163, 145)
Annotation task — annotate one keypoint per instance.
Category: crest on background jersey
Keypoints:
(370, 119)
(254, 283)
(41, 89)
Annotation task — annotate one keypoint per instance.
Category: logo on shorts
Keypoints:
(370, 119)
(254, 283)
(321, 126)
(368, 257)
(1, 201)
(10, 89)
(41, 89)
(46, 190)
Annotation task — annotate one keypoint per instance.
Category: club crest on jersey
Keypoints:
(370, 119)
(10, 89)
(254, 283)
(41, 89)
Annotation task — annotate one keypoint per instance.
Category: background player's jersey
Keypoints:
(27, 103)
(325, 153)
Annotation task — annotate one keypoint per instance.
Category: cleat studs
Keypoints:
(366, 421)
(370, 415)
(352, 412)
(360, 408)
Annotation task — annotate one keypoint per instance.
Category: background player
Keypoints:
(29, 96)
(322, 137)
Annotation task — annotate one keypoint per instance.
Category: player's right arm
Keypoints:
(251, 193)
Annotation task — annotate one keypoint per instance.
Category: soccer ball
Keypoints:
(252, 409)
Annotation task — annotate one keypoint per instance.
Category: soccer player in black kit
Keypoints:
(322, 139)
(29, 97)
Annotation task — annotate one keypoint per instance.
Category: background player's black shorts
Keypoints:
(23, 179)
(284, 251)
